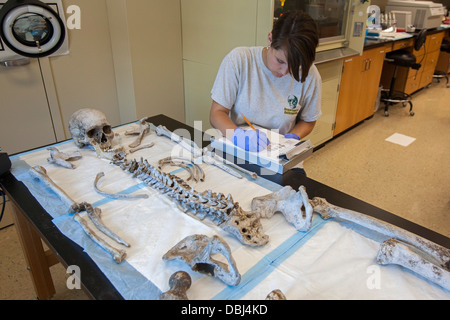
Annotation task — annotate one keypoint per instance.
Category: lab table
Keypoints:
(35, 223)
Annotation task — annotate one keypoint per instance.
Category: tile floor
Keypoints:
(412, 182)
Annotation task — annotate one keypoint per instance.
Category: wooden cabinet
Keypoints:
(410, 80)
(359, 88)
(443, 63)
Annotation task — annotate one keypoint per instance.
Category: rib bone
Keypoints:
(395, 252)
(327, 210)
(197, 251)
(115, 195)
(197, 174)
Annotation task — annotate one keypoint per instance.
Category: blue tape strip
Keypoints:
(269, 263)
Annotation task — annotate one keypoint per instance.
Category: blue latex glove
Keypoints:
(250, 140)
(292, 136)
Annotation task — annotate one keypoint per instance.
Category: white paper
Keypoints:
(401, 139)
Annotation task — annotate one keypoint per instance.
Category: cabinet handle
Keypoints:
(15, 62)
(367, 64)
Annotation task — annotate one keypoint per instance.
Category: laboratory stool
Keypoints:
(402, 58)
(445, 47)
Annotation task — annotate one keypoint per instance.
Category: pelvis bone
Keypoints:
(197, 251)
(293, 205)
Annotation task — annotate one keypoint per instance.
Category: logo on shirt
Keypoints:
(293, 104)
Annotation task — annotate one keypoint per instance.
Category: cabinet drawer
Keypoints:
(443, 62)
(403, 44)
(431, 60)
(413, 82)
(419, 54)
(434, 42)
(427, 78)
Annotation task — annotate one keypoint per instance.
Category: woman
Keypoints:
(276, 87)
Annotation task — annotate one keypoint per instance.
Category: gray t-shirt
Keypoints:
(245, 85)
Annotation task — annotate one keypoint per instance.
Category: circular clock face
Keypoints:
(31, 29)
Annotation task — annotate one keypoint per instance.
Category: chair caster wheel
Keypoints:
(412, 114)
(386, 114)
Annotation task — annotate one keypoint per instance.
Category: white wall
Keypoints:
(85, 77)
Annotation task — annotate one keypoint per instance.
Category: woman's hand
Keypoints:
(250, 140)
(292, 136)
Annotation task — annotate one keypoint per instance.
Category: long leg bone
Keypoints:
(327, 210)
(115, 195)
(293, 205)
(163, 131)
(41, 174)
(73, 207)
(197, 251)
(208, 159)
(395, 252)
(254, 175)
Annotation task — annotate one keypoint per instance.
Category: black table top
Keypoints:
(370, 43)
(96, 284)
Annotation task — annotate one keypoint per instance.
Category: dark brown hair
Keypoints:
(297, 34)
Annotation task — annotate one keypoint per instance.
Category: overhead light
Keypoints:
(31, 28)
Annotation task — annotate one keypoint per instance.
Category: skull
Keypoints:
(88, 126)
